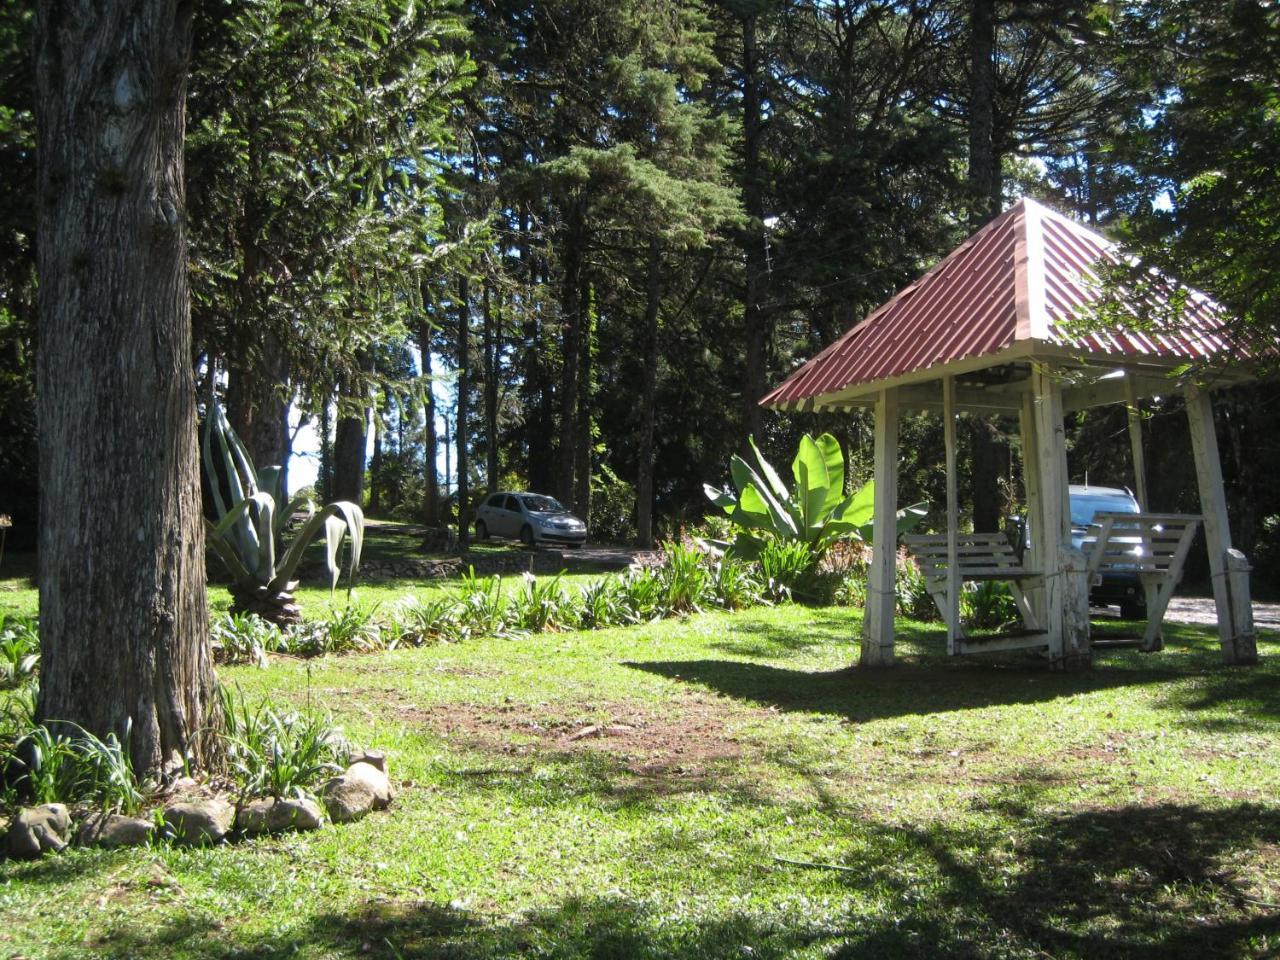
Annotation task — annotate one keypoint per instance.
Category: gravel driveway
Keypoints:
(1266, 616)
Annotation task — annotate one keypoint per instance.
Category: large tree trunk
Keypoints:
(538, 398)
(982, 90)
(756, 327)
(324, 477)
(349, 442)
(430, 443)
(258, 404)
(123, 617)
(582, 459)
(492, 357)
(570, 336)
(375, 464)
(464, 388)
(648, 398)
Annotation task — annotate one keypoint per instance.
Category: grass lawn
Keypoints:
(640, 793)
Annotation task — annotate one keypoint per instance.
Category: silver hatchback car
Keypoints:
(532, 518)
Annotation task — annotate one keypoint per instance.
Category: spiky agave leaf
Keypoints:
(348, 519)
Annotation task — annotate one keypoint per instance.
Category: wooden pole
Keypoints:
(1033, 558)
(877, 639)
(953, 512)
(1235, 620)
(1055, 532)
(1135, 443)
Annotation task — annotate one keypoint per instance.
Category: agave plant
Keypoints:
(249, 526)
(816, 512)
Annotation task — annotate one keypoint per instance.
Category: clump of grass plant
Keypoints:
(482, 607)
(63, 763)
(246, 638)
(543, 606)
(685, 579)
(273, 752)
(19, 650)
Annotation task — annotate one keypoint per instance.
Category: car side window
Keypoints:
(496, 501)
(512, 505)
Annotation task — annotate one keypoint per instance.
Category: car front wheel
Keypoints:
(482, 530)
(526, 535)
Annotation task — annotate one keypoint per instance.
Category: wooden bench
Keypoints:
(979, 557)
(1153, 546)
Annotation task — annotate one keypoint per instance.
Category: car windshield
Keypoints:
(540, 504)
(1085, 505)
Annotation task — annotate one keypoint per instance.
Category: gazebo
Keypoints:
(994, 328)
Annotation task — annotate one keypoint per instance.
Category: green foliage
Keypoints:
(431, 621)
(734, 584)
(987, 605)
(542, 605)
(62, 763)
(685, 579)
(482, 608)
(789, 568)
(913, 599)
(601, 604)
(249, 520)
(19, 650)
(246, 638)
(274, 752)
(815, 512)
(613, 508)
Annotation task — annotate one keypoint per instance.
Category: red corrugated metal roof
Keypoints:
(1020, 279)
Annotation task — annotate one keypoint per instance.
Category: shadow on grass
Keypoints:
(1147, 883)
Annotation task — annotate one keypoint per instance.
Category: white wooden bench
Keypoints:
(979, 557)
(1153, 546)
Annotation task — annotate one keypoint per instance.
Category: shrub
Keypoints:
(600, 604)
(19, 650)
(988, 605)
(734, 585)
(432, 621)
(63, 763)
(276, 753)
(482, 609)
(685, 579)
(543, 605)
(245, 638)
(789, 569)
(913, 599)
(641, 596)
(613, 507)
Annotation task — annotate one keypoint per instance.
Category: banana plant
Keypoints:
(816, 511)
(248, 526)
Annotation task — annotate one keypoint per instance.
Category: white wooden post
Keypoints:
(1135, 443)
(1033, 557)
(1055, 509)
(953, 512)
(1075, 603)
(1235, 631)
(877, 632)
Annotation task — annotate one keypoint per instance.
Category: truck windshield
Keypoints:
(1085, 505)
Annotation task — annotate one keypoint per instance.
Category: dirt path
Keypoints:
(1200, 610)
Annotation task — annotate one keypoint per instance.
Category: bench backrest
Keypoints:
(987, 555)
(1139, 542)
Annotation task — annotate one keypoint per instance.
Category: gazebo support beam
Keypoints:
(877, 624)
(1134, 413)
(1033, 558)
(953, 512)
(1227, 567)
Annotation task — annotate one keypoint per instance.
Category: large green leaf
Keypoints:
(743, 477)
(351, 520)
(810, 470)
(752, 511)
(721, 498)
(907, 518)
(776, 486)
(834, 458)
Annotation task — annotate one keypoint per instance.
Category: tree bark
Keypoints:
(570, 335)
(982, 88)
(492, 356)
(648, 398)
(257, 404)
(123, 616)
(755, 319)
(582, 459)
(375, 464)
(461, 434)
(430, 442)
(349, 442)
(324, 477)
